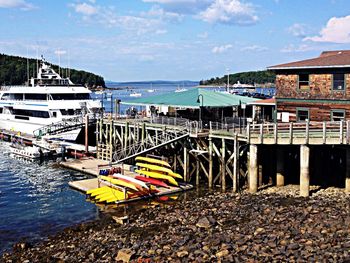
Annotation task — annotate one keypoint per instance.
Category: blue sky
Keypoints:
(127, 40)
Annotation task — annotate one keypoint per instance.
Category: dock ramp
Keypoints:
(146, 146)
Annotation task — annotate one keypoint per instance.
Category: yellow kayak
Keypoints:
(119, 182)
(110, 197)
(111, 193)
(159, 169)
(158, 176)
(97, 190)
(152, 160)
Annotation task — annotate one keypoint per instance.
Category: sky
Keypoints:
(134, 40)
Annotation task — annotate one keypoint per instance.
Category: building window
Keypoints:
(304, 82)
(339, 82)
(338, 115)
(302, 114)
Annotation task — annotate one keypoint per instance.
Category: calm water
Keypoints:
(35, 200)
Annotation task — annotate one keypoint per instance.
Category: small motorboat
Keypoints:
(180, 90)
(135, 94)
(151, 90)
(26, 151)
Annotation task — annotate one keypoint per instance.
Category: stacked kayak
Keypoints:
(153, 175)
(156, 172)
(119, 187)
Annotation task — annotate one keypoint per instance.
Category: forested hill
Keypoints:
(250, 77)
(13, 71)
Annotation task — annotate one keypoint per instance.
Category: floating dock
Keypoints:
(88, 184)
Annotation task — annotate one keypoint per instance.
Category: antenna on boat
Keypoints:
(68, 63)
(37, 60)
(27, 67)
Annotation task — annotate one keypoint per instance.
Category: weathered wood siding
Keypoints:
(320, 99)
(320, 87)
(317, 111)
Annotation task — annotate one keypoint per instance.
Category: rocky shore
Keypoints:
(272, 226)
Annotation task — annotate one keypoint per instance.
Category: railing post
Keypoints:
(261, 135)
(341, 132)
(291, 133)
(248, 133)
(307, 132)
(324, 132)
(210, 126)
(347, 132)
(275, 132)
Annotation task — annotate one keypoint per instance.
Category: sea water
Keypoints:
(36, 201)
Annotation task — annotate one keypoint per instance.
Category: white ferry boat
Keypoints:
(45, 100)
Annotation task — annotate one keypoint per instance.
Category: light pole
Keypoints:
(228, 80)
(200, 110)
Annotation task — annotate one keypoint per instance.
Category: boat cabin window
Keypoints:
(0, 110)
(31, 113)
(304, 82)
(70, 112)
(73, 96)
(339, 82)
(302, 114)
(30, 96)
(16, 96)
(6, 96)
(54, 114)
(338, 115)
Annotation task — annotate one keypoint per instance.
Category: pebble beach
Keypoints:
(272, 226)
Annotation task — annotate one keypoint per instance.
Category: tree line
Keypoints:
(250, 77)
(13, 71)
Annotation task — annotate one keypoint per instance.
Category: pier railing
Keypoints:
(65, 125)
(335, 132)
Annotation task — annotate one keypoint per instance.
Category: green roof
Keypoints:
(189, 99)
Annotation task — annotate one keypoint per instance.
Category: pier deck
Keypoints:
(85, 165)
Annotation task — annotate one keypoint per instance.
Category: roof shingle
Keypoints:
(338, 58)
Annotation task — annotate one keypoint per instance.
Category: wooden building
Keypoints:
(316, 89)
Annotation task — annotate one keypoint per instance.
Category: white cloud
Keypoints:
(21, 4)
(146, 58)
(161, 31)
(203, 35)
(298, 48)
(221, 49)
(60, 52)
(337, 30)
(229, 12)
(146, 22)
(161, 14)
(183, 6)
(85, 9)
(255, 48)
(297, 30)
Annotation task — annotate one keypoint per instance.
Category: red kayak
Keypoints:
(152, 181)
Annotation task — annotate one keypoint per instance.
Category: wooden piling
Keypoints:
(280, 167)
(223, 165)
(253, 168)
(235, 164)
(347, 176)
(86, 133)
(210, 179)
(304, 170)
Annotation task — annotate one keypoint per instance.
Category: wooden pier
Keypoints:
(228, 154)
